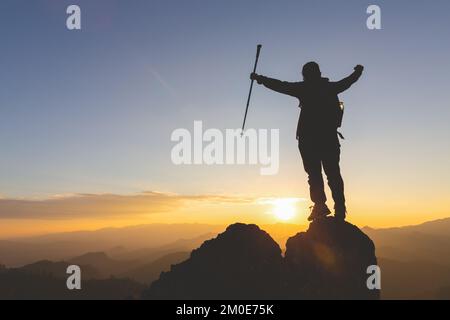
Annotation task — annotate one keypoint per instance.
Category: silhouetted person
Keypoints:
(317, 134)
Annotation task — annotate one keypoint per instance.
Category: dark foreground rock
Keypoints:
(244, 262)
(328, 261)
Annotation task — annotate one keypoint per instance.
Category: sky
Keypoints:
(86, 116)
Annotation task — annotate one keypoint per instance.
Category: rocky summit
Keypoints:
(328, 261)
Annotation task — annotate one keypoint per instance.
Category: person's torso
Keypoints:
(319, 110)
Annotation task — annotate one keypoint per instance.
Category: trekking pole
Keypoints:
(258, 50)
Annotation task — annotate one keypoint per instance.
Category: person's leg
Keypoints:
(313, 167)
(330, 161)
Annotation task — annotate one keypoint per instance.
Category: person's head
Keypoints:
(311, 71)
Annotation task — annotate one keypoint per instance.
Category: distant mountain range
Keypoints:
(414, 260)
(128, 243)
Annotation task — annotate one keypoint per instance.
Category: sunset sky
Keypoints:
(86, 116)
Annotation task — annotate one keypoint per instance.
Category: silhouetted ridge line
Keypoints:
(328, 261)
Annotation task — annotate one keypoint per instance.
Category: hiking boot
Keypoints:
(319, 211)
(340, 213)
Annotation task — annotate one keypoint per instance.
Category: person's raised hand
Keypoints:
(257, 77)
(359, 68)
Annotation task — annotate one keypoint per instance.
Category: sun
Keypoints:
(284, 209)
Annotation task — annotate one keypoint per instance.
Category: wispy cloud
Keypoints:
(72, 206)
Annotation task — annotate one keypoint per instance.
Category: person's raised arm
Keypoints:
(289, 88)
(345, 83)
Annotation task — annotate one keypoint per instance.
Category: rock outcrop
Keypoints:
(244, 262)
(328, 261)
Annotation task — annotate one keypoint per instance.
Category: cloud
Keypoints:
(73, 206)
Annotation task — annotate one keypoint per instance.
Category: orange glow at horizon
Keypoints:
(214, 210)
